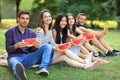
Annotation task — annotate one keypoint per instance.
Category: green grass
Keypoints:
(62, 71)
(2, 40)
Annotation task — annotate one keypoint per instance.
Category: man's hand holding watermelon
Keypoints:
(19, 45)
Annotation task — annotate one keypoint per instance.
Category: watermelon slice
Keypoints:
(64, 46)
(78, 41)
(88, 36)
(29, 41)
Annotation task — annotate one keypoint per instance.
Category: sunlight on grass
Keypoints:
(8, 22)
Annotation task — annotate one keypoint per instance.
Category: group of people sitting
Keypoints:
(44, 52)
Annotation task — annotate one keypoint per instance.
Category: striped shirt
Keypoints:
(45, 38)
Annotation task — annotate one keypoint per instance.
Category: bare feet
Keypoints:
(105, 30)
(101, 33)
(104, 61)
(93, 65)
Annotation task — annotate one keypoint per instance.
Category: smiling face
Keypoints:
(82, 19)
(23, 20)
(71, 20)
(63, 22)
(47, 18)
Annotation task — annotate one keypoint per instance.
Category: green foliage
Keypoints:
(8, 12)
(26, 5)
(95, 10)
(102, 24)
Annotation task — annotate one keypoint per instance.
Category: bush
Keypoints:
(102, 24)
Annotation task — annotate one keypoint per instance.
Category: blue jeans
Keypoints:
(42, 55)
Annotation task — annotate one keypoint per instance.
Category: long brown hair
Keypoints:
(40, 22)
(73, 27)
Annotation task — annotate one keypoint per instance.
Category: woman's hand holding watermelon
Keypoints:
(36, 44)
(78, 41)
(63, 47)
(88, 36)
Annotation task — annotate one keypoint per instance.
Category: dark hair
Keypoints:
(40, 22)
(57, 28)
(73, 27)
(22, 12)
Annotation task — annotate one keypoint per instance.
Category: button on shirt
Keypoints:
(13, 35)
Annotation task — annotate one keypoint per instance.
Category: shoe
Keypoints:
(88, 59)
(101, 55)
(114, 50)
(117, 53)
(43, 71)
(110, 53)
(93, 65)
(96, 55)
(35, 66)
(20, 72)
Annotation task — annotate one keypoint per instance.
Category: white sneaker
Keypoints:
(93, 65)
(88, 59)
(35, 66)
(20, 72)
(43, 71)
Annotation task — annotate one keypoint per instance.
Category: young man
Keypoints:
(20, 55)
(81, 20)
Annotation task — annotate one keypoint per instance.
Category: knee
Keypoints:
(64, 57)
(12, 62)
(47, 46)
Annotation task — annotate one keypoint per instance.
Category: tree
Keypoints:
(118, 13)
(17, 6)
(0, 12)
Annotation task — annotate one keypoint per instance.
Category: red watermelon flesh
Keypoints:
(29, 41)
(77, 41)
(88, 36)
(64, 46)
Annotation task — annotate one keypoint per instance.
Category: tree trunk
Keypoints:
(118, 13)
(0, 13)
(17, 7)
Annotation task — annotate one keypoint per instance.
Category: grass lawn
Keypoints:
(62, 71)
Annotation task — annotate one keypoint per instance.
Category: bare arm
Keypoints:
(70, 35)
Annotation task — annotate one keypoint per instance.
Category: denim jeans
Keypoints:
(42, 55)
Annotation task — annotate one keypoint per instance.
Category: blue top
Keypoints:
(13, 35)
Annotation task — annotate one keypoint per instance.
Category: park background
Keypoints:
(100, 14)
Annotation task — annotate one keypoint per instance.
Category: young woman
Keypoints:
(74, 31)
(60, 31)
(44, 35)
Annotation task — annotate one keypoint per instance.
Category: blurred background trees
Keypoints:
(101, 10)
